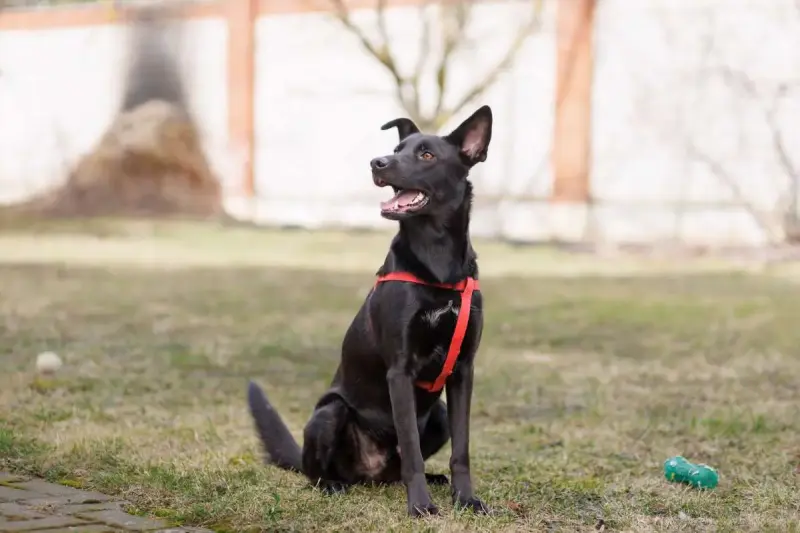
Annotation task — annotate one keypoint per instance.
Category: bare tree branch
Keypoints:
(344, 17)
(777, 137)
(380, 51)
(739, 79)
(792, 172)
(480, 87)
(744, 82)
(783, 155)
(424, 53)
(777, 222)
(763, 220)
(455, 19)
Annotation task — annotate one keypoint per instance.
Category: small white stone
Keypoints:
(48, 363)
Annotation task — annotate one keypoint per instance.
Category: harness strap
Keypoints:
(466, 288)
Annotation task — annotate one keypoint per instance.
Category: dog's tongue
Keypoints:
(403, 198)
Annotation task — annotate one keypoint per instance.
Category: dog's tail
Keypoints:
(279, 444)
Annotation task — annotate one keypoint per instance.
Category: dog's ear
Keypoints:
(472, 137)
(405, 127)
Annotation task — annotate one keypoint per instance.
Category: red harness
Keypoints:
(466, 288)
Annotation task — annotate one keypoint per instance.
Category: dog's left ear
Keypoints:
(472, 137)
(405, 127)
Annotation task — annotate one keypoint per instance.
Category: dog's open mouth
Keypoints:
(404, 201)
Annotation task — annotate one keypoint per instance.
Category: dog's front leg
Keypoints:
(459, 398)
(412, 465)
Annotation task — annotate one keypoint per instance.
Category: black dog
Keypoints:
(418, 330)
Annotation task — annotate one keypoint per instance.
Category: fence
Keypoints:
(677, 121)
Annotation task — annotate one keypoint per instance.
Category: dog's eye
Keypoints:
(427, 156)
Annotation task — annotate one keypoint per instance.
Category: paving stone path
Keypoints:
(36, 506)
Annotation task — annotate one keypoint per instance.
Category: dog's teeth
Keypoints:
(396, 205)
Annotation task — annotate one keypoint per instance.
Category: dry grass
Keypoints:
(585, 384)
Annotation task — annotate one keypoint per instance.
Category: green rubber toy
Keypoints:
(679, 470)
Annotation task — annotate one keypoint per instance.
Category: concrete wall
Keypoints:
(319, 113)
(676, 133)
(52, 109)
(666, 123)
(61, 88)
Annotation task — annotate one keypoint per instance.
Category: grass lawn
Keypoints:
(586, 381)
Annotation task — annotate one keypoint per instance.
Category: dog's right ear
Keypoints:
(405, 127)
(472, 137)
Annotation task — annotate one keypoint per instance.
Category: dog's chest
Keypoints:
(443, 317)
(432, 331)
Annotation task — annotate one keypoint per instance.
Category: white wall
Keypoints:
(61, 88)
(58, 91)
(321, 100)
(669, 127)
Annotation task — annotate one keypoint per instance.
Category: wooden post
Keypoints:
(572, 129)
(242, 16)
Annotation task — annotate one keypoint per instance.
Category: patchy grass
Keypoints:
(585, 384)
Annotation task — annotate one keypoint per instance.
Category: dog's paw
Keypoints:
(332, 487)
(422, 509)
(474, 504)
(437, 479)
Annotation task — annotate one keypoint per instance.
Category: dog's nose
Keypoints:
(379, 163)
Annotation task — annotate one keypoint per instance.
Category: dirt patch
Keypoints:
(149, 163)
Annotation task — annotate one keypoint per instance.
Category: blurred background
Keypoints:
(630, 137)
(648, 123)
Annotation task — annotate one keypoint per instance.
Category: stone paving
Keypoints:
(36, 506)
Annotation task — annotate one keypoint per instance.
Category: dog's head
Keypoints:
(427, 172)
